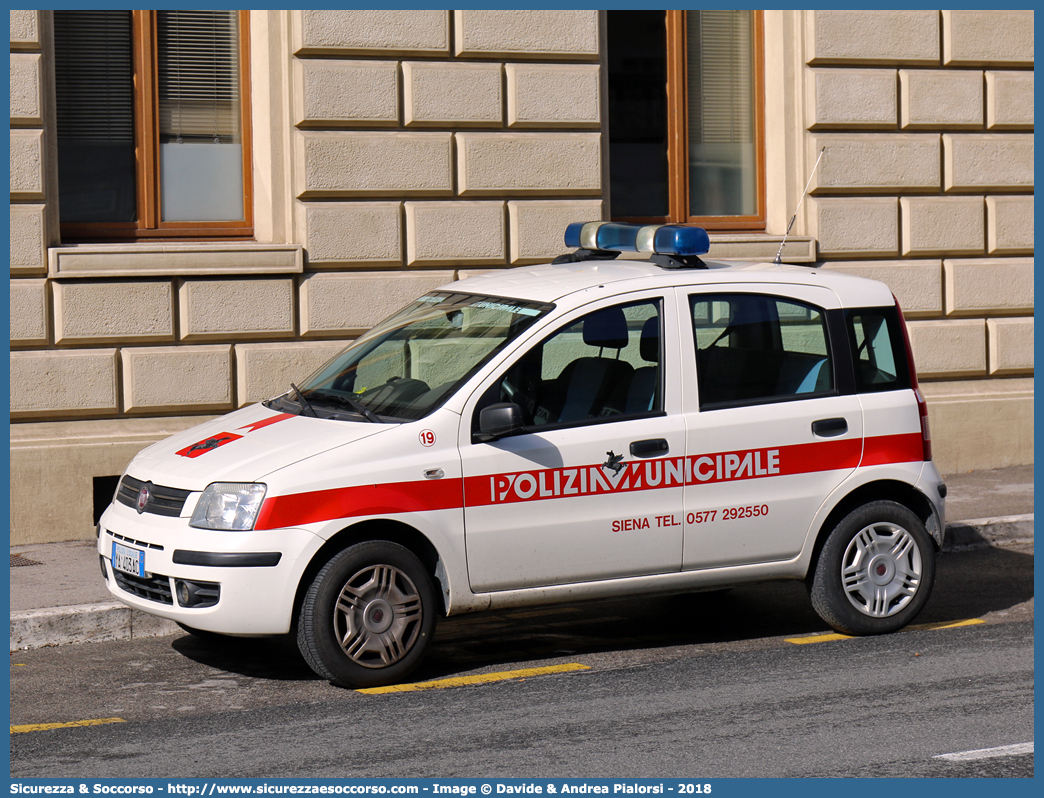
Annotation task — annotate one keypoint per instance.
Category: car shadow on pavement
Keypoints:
(969, 584)
(271, 658)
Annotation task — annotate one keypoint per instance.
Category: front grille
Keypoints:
(162, 500)
(139, 543)
(208, 593)
(154, 588)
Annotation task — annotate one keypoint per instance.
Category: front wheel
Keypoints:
(368, 616)
(875, 572)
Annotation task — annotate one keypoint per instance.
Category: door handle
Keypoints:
(649, 448)
(829, 427)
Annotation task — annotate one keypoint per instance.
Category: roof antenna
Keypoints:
(779, 255)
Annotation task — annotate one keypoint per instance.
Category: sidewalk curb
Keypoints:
(83, 623)
(1005, 531)
(95, 623)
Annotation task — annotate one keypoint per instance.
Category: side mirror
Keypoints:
(499, 420)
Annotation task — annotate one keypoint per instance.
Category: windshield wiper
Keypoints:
(305, 404)
(348, 401)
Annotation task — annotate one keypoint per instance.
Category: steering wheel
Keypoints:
(525, 399)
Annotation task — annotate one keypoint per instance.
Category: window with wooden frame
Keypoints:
(153, 125)
(686, 118)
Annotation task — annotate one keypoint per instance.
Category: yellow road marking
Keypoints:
(44, 726)
(817, 638)
(947, 624)
(482, 678)
(824, 638)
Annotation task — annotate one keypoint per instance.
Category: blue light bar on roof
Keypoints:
(676, 239)
(664, 239)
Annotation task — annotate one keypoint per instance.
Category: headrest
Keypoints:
(649, 346)
(606, 327)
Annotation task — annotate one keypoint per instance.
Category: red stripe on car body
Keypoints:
(392, 497)
(587, 480)
(265, 422)
(884, 449)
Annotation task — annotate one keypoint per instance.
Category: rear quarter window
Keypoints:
(878, 349)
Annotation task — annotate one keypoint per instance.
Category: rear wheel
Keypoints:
(368, 616)
(875, 572)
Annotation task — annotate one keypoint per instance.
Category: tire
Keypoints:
(875, 572)
(368, 616)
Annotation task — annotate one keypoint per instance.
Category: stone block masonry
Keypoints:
(26, 90)
(175, 379)
(30, 313)
(478, 234)
(78, 384)
(223, 310)
(394, 151)
(28, 240)
(113, 313)
(927, 184)
(27, 179)
(336, 305)
(452, 95)
(346, 93)
(266, 370)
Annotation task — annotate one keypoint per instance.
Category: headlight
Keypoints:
(228, 505)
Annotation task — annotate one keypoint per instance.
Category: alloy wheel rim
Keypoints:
(377, 616)
(881, 570)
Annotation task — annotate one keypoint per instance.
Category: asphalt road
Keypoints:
(693, 686)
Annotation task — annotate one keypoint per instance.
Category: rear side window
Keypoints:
(752, 348)
(878, 349)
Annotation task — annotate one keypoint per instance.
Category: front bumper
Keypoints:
(236, 583)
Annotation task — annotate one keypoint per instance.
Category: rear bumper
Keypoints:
(931, 484)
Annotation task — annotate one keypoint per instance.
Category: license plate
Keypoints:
(128, 560)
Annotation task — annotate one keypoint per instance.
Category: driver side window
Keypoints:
(604, 365)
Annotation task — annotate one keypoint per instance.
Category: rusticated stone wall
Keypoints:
(394, 151)
(927, 184)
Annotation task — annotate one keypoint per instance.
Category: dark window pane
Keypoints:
(878, 349)
(96, 182)
(604, 366)
(637, 62)
(94, 85)
(752, 348)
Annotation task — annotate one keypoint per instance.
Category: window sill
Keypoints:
(760, 247)
(169, 259)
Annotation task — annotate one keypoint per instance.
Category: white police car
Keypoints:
(592, 427)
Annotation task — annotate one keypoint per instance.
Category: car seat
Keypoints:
(645, 382)
(590, 387)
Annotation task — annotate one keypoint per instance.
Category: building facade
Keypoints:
(220, 236)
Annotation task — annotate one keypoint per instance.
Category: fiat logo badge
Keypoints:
(143, 498)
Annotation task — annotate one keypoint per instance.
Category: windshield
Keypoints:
(410, 364)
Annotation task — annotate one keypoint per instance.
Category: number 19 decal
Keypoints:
(427, 437)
